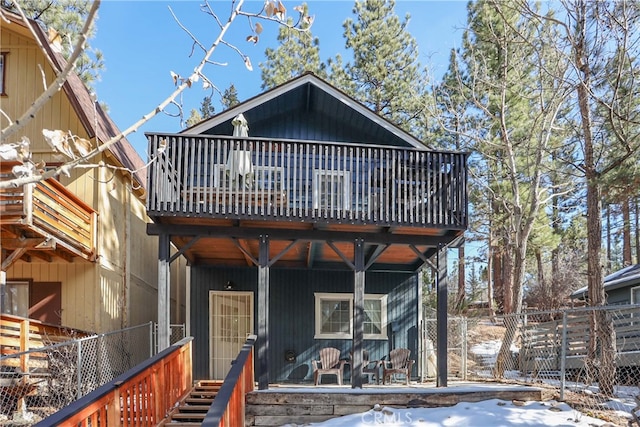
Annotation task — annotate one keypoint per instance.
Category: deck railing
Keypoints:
(20, 334)
(51, 210)
(228, 408)
(141, 396)
(219, 176)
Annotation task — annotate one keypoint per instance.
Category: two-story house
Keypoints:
(305, 218)
(75, 250)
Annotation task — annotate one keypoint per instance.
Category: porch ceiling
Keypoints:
(225, 242)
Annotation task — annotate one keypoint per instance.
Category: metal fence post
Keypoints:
(563, 355)
(152, 343)
(79, 368)
(463, 331)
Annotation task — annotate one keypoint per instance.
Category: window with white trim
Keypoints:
(331, 189)
(15, 299)
(635, 295)
(334, 316)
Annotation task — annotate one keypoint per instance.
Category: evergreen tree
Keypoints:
(385, 74)
(66, 18)
(206, 108)
(194, 118)
(229, 98)
(298, 52)
(510, 118)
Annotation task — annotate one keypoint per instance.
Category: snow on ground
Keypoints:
(493, 413)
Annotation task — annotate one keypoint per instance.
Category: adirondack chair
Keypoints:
(398, 363)
(329, 363)
(370, 368)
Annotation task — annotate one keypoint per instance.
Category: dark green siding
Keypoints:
(292, 314)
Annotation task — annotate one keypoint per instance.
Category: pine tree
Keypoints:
(385, 73)
(511, 120)
(298, 52)
(229, 98)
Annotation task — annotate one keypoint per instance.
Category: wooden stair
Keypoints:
(193, 407)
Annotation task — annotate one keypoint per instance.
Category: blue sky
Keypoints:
(142, 43)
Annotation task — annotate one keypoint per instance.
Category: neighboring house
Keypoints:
(324, 210)
(621, 287)
(74, 249)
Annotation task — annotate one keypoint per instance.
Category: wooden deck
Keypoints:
(45, 220)
(284, 404)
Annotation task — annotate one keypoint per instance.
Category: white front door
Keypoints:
(230, 323)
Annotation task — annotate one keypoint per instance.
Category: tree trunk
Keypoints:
(626, 232)
(609, 255)
(601, 326)
(508, 279)
(542, 283)
(637, 211)
(498, 279)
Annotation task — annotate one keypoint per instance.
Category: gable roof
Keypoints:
(94, 119)
(627, 276)
(308, 93)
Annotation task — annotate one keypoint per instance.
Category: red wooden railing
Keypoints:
(140, 397)
(228, 408)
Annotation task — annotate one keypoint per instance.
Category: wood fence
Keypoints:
(19, 335)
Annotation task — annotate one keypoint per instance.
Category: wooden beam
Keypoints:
(282, 252)
(310, 254)
(243, 245)
(49, 244)
(378, 250)
(22, 242)
(13, 257)
(263, 314)
(341, 255)
(358, 312)
(155, 229)
(164, 291)
(441, 317)
(247, 255)
(45, 256)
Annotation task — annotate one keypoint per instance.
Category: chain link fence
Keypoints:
(588, 357)
(60, 373)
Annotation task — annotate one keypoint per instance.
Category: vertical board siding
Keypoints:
(292, 307)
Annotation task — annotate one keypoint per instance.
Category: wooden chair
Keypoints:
(329, 363)
(398, 363)
(370, 368)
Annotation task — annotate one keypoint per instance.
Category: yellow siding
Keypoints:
(120, 289)
(78, 290)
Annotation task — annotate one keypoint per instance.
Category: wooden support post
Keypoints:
(164, 291)
(441, 314)
(358, 313)
(263, 313)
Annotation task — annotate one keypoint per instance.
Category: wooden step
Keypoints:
(188, 416)
(193, 408)
(198, 401)
(181, 424)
